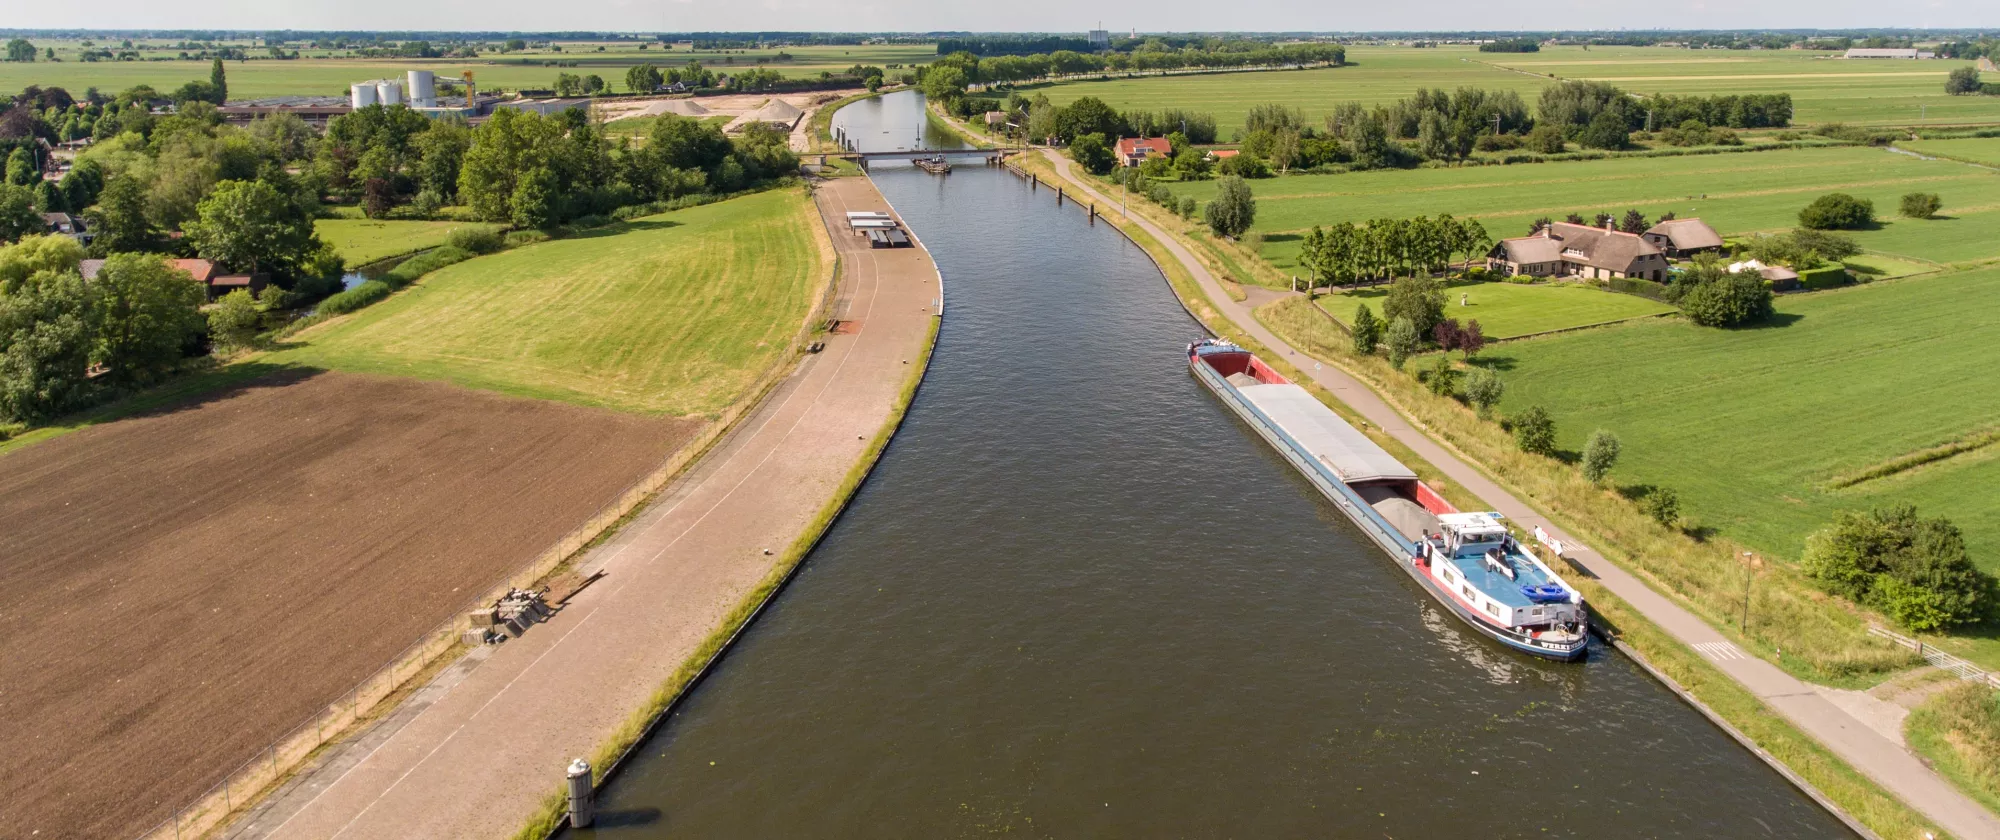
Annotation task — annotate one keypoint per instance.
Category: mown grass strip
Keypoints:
(1903, 463)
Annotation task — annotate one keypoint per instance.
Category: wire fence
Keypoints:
(271, 763)
(1962, 669)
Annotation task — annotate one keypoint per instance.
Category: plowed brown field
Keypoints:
(179, 588)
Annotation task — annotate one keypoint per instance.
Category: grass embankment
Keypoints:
(1765, 433)
(364, 241)
(1823, 90)
(674, 314)
(1737, 194)
(1829, 774)
(1509, 310)
(1958, 729)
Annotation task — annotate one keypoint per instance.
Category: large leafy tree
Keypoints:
(1087, 115)
(1093, 153)
(1420, 300)
(1233, 209)
(119, 218)
(18, 217)
(643, 78)
(147, 312)
(1916, 570)
(47, 329)
(250, 226)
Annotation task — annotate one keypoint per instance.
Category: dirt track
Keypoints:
(184, 586)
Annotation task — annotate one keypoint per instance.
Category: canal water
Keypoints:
(1078, 598)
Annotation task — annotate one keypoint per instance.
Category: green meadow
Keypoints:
(674, 314)
(363, 241)
(1509, 310)
(1753, 426)
(1984, 151)
(331, 76)
(1737, 193)
(1823, 89)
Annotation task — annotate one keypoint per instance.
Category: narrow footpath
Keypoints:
(1881, 759)
(477, 750)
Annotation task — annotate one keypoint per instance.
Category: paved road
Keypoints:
(481, 746)
(1868, 751)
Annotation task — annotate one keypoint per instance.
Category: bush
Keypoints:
(478, 240)
(1662, 505)
(1828, 277)
(1403, 341)
(1442, 378)
(342, 303)
(518, 238)
(1534, 431)
(1367, 330)
(1727, 300)
(1917, 571)
(1188, 206)
(424, 263)
(1837, 211)
(1546, 139)
(1637, 286)
(1919, 205)
(1599, 455)
(1483, 389)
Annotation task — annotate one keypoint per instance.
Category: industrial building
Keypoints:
(418, 91)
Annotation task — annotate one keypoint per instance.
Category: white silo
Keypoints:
(361, 95)
(423, 89)
(390, 92)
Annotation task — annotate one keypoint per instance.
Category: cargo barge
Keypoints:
(1468, 562)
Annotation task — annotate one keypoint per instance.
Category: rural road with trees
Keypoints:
(483, 745)
(1881, 759)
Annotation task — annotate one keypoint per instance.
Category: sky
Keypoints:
(1010, 15)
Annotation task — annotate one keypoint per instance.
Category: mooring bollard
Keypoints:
(582, 798)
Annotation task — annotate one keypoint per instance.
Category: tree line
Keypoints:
(1448, 126)
(973, 69)
(1347, 253)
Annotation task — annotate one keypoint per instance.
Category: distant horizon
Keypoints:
(1053, 16)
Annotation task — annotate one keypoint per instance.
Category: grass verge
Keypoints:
(1958, 730)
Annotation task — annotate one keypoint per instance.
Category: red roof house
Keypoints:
(1133, 151)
